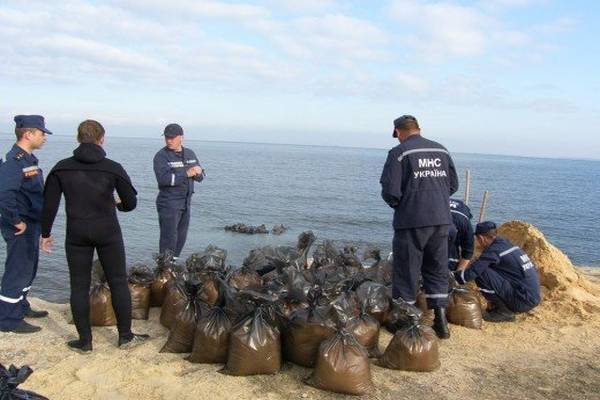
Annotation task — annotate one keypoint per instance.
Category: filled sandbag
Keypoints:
(412, 349)
(209, 290)
(342, 366)
(175, 301)
(245, 278)
(304, 333)
(211, 338)
(181, 336)
(365, 329)
(101, 309)
(211, 259)
(464, 309)
(140, 280)
(254, 345)
(11, 378)
(374, 298)
(163, 273)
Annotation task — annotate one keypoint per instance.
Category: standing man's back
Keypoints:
(417, 181)
(176, 169)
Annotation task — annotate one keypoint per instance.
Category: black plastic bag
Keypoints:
(306, 329)
(175, 300)
(181, 336)
(374, 299)
(412, 349)
(244, 278)
(464, 309)
(140, 281)
(254, 345)
(211, 338)
(165, 271)
(101, 309)
(211, 259)
(342, 366)
(11, 378)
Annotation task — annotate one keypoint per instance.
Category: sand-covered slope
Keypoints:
(550, 353)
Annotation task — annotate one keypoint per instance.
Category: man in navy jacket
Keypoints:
(176, 169)
(417, 181)
(505, 275)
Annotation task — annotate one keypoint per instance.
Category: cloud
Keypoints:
(443, 29)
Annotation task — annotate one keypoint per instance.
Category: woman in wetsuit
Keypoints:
(88, 181)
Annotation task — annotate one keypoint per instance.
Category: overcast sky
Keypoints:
(492, 76)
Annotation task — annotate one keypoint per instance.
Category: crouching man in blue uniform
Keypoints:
(176, 169)
(461, 239)
(505, 275)
(417, 181)
(21, 201)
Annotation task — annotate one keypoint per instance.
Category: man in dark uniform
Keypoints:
(417, 181)
(176, 169)
(461, 239)
(505, 275)
(21, 200)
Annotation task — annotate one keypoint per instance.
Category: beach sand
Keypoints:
(550, 353)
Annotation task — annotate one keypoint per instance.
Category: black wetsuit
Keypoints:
(88, 180)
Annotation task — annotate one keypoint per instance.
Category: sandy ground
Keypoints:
(550, 353)
(532, 358)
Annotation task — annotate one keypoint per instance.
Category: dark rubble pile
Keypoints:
(278, 307)
(278, 229)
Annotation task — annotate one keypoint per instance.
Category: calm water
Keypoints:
(333, 191)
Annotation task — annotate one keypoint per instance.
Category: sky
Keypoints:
(518, 77)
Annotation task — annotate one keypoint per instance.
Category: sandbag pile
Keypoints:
(276, 307)
(101, 309)
(11, 378)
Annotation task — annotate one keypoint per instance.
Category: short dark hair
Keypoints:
(90, 131)
(491, 234)
(408, 124)
(20, 132)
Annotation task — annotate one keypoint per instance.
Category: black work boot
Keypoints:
(440, 323)
(36, 313)
(22, 328)
(80, 346)
(499, 313)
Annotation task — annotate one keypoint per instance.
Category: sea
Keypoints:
(333, 191)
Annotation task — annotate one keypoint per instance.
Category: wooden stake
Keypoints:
(467, 186)
(486, 197)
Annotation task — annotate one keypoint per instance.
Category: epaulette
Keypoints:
(20, 155)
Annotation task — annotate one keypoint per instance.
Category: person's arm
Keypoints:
(453, 176)
(391, 180)
(199, 176)
(11, 178)
(467, 239)
(52, 194)
(487, 259)
(126, 192)
(165, 175)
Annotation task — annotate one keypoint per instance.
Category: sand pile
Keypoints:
(565, 289)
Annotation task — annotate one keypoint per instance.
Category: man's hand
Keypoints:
(47, 244)
(463, 264)
(194, 171)
(21, 228)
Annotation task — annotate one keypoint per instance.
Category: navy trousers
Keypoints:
(421, 252)
(494, 287)
(22, 254)
(174, 225)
